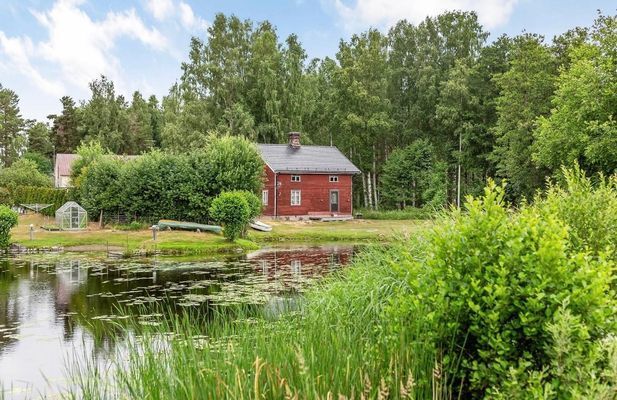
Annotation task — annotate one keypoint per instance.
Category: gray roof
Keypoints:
(311, 159)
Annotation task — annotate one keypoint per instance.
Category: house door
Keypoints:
(334, 201)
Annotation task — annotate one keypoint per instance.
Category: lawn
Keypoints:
(96, 239)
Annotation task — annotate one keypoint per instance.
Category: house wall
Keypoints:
(315, 194)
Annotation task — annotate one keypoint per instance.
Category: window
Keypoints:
(264, 197)
(295, 178)
(333, 178)
(295, 198)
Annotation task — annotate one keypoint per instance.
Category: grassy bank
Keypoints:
(182, 242)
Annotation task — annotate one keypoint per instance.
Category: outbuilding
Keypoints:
(306, 181)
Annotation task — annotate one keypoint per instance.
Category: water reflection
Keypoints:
(53, 311)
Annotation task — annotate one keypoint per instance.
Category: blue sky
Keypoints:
(49, 48)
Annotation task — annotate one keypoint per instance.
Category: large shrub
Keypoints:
(23, 172)
(87, 154)
(8, 219)
(232, 210)
(494, 281)
(101, 186)
(177, 186)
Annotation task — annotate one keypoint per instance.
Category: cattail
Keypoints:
(301, 362)
(384, 390)
(406, 390)
(367, 387)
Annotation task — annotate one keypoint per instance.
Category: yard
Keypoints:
(96, 239)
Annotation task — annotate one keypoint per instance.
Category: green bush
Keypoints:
(231, 210)
(495, 281)
(8, 219)
(23, 172)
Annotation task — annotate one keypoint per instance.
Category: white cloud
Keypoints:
(77, 48)
(160, 9)
(180, 11)
(385, 13)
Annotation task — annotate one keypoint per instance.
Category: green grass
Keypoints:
(337, 344)
(182, 242)
(409, 213)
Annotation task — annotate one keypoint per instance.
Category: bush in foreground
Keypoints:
(8, 220)
(232, 210)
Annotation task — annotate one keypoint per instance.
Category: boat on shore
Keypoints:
(260, 226)
(188, 226)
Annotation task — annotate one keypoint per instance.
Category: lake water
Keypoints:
(57, 308)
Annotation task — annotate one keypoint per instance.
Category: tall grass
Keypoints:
(408, 213)
(337, 345)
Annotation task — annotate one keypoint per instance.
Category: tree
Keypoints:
(65, 134)
(581, 126)
(23, 172)
(39, 140)
(139, 137)
(526, 90)
(11, 125)
(406, 173)
(43, 163)
(87, 153)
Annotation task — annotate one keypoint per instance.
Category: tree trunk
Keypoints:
(370, 190)
(364, 190)
(458, 181)
(413, 198)
(101, 220)
(375, 198)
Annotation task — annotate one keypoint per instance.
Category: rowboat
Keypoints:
(260, 226)
(189, 226)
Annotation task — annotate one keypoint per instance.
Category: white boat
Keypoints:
(260, 226)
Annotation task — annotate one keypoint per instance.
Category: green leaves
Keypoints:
(8, 219)
(234, 210)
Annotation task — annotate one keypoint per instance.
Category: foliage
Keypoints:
(8, 220)
(232, 210)
(404, 214)
(39, 140)
(589, 209)
(101, 186)
(43, 163)
(525, 93)
(41, 195)
(496, 281)
(23, 172)
(406, 173)
(161, 185)
(581, 126)
(11, 125)
(87, 154)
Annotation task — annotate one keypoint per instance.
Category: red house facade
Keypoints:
(305, 181)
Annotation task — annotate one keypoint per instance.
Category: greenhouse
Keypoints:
(71, 216)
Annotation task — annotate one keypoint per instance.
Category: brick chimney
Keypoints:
(294, 140)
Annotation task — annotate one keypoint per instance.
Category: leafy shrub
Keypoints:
(101, 186)
(8, 219)
(494, 281)
(88, 153)
(254, 204)
(588, 208)
(23, 172)
(43, 163)
(232, 210)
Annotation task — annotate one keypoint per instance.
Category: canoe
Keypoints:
(260, 226)
(189, 226)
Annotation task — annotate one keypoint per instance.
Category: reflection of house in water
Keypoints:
(69, 276)
(308, 263)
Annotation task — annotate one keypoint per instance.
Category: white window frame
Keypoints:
(264, 197)
(333, 178)
(296, 201)
(296, 178)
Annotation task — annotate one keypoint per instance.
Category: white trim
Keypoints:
(292, 197)
(264, 197)
(296, 176)
(333, 178)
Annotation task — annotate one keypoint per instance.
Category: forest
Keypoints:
(428, 112)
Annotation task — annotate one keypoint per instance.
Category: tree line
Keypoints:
(428, 112)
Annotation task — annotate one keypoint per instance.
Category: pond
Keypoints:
(57, 308)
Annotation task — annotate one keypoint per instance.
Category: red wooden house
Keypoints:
(304, 181)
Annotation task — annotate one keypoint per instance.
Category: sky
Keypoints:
(52, 48)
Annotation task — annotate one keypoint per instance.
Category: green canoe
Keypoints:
(189, 226)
